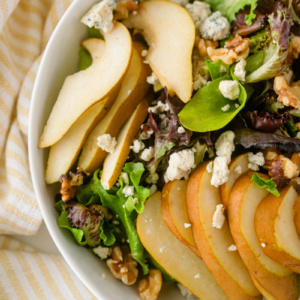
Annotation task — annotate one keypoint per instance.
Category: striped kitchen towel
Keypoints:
(25, 28)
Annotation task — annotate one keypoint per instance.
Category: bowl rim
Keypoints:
(33, 162)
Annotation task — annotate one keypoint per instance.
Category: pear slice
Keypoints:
(274, 279)
(178, 260)
(100, 82)
(115, 161)
(133, 89)
(173, 207)
(275, 228)
(241, 162)
(170, 33)
(226, 266)
(63, 154)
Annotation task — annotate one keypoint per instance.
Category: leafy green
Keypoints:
(78, 234)
(291, 128)
(85, 59)
(268, 184)
(217, 69)
(230, 8)
(204, 112)
(255, 61)
(163, 149)
(200, 153)
(125, 207)
(274, 53)
(94, 33)
(260, 39)
(107, 236)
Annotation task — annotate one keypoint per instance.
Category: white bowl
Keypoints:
(59, 60)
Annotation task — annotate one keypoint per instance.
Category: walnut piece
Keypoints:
(234, 50)
(282, 170)
(203, 44)
(122, 265)
(150, 287)
(288, 95)
(67, 190)
(123, 9)
(293, 50)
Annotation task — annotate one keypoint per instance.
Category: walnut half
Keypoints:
(122, 265)
(150, 287)
(234, 50)
(288, 95)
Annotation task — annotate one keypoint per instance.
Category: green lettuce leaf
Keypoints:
(271, 60)
(204, 112)
(85, 59)
(123, 206)
(107, 236)
(230, 8)
(216, 69)
(268, 185)
(78, 234)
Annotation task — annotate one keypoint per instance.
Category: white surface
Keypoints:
(59, 60)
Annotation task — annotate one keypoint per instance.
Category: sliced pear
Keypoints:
(274, 279)
(297, 215)
(100, 82)
(170, 33)
(236, 168)
(275, 228)
(173, 206)
(115, 161)
(177, 259)
(133, 89)
(226, 266)
(63, 154)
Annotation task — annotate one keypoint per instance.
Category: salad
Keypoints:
(179, 156)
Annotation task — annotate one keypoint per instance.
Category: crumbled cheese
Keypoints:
(147, 154)
(199, 12)
(236, 105)
(180, 129)
(107, 143)
(238, 170)
(116, 222)
(229, 89)
(232, 248)
(103, 275)
(100, 15)
(186, 293)
(187, 225)
(135, 200)
(137, 146)
(220, 171)
(128, 190)
(181, 2)
(255, 160)
(218, 217)
(239, 70)
(209, 167)
(263, 245)
(146, 134)
(226, 107)
(102, 252)
(144, 53)
(159, 108)
(134, 12)
(197, 276)
(180, 165)
(153, 189)
(225, 145)
(152, 178)
(152, 79)
(124, 177)
(215, 27)
(253, 167)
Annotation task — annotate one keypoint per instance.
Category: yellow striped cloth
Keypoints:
(25, 28)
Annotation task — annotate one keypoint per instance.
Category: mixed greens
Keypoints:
(260, 117)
